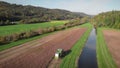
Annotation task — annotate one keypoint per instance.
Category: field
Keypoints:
(39, 53)
(7, 30)
(45, 34)
(112, 38)
(104, 57)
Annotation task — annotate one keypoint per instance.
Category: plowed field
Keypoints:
(39, 53)
(112, 39)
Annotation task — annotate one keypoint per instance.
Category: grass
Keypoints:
(104, 57)
(7, 30)
(69, 61)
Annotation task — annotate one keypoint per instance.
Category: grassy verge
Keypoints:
(69, 61)
(11, 29)
(104, 57)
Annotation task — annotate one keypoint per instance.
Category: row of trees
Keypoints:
(31, 14)
(33, 20)
(108, 19)
(31, 33)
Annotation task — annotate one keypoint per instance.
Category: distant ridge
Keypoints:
(13, 12)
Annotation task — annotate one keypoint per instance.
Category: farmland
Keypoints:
(7, 30)
(41, 51)
(59, 34)
(105, 60)
(36, 49)
(112, 39)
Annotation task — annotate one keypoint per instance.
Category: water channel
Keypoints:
(88, 58)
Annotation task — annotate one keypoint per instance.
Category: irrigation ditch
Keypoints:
(88, 58)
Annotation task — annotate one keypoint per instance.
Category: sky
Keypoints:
(91, 7)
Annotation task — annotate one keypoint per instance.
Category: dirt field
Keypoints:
(38, 53)
(113, 41)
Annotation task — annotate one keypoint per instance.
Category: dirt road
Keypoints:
(38, 53)
(112, 39)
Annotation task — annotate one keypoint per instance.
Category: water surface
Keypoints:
(88, 58)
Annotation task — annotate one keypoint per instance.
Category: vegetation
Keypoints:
(111, 20)
(8, 30)
(10, 13)
(27, 34)
(16, 43)
(69, 61)
(108, 19)
(104, 57)
(4, 40)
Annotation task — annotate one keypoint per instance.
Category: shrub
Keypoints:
(40, 31)
(51, 29)
(5, 39)
(21, 35)
(15, 37)
(8, 38)
(45, 30)
(60, 27)
(33, 33)
(27, 34)
(2, 40)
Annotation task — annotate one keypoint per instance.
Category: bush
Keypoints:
(15, 37)
(2, 40)
(5, 39)
(33, 33)
(45, 30)
(33, 20)
(40, 31)
(60, 27)
(51, 29)
(21, 35)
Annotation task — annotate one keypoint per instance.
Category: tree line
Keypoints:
(107, 19)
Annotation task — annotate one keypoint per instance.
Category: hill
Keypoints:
(31, 14)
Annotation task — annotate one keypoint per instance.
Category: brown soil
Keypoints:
(55, 63)
(39, 53)
(112, 39)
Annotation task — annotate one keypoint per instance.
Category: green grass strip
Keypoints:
(69, 61)
(104, 57)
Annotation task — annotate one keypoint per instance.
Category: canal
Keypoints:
(88, 58)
